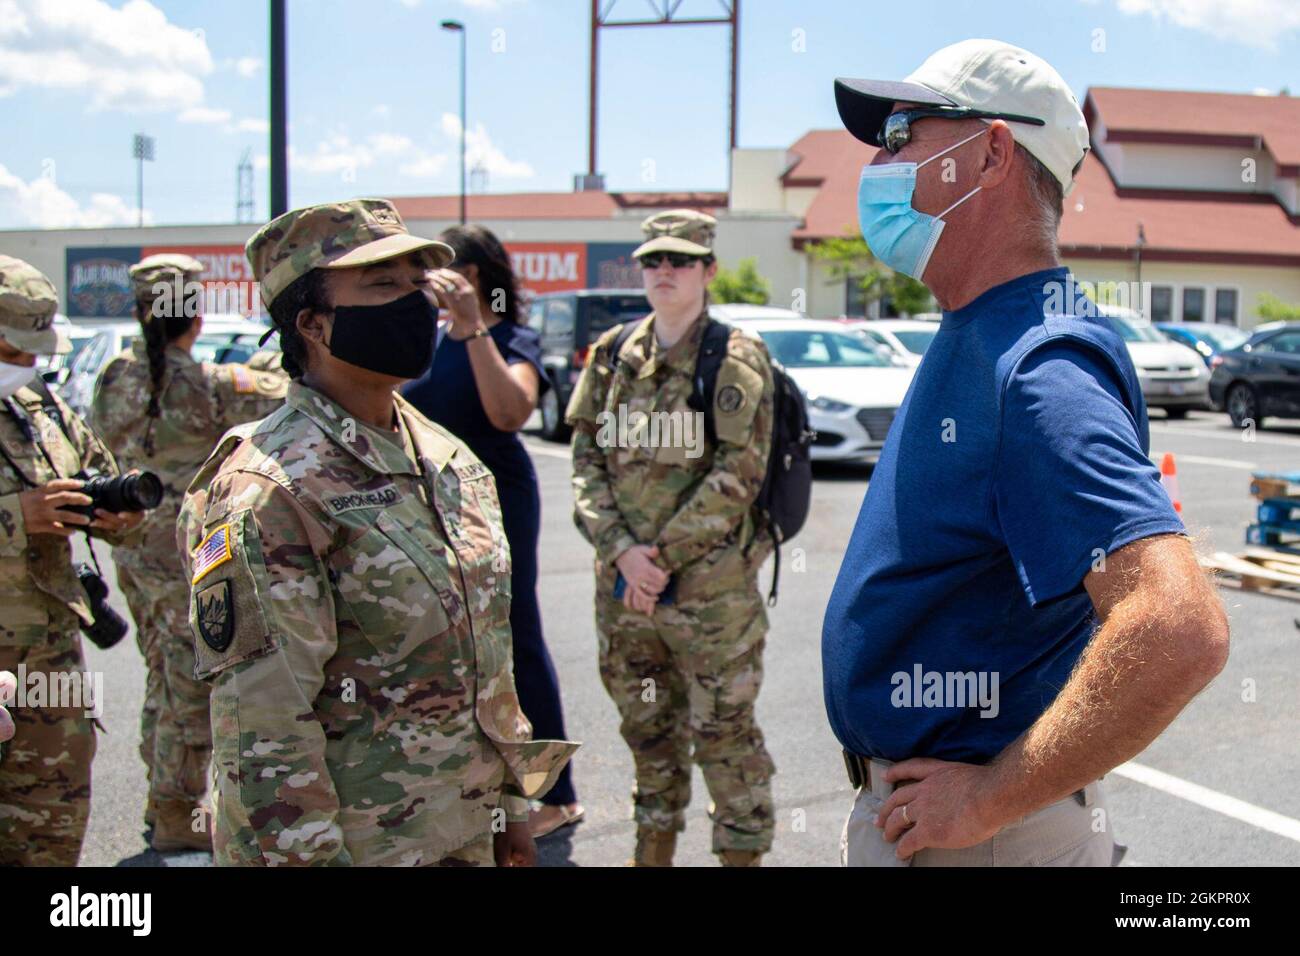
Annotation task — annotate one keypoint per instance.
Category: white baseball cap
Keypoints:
(986, 75)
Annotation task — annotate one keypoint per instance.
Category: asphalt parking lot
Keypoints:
(1217, 788)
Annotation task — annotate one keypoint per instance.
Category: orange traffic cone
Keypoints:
(1169, 480)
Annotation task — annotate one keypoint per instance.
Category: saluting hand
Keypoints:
(458, 296)
(8, 690)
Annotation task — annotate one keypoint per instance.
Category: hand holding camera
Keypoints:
(63, 505)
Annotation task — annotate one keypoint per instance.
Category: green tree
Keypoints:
(745, 284)
(1271, 308)
(849, 257)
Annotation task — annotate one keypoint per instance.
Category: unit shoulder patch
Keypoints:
(215, 615)
(730, 399)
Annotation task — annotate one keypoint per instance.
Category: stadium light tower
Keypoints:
(141, 149)
(602, 16)
(455, 26)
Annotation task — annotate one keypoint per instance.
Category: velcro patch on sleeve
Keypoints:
(212, 552)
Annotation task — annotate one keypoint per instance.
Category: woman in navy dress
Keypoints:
(483, 386)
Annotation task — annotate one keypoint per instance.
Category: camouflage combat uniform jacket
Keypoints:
(42, 599)
(351, 604)
(697, 510)
(199, 402)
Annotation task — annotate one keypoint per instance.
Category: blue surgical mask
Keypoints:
(898, 235)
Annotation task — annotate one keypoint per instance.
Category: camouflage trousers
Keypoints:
(689, 676)
(45, 767)
(175, 732)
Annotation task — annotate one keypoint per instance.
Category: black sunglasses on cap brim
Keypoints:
(679, 260)
(896, 131)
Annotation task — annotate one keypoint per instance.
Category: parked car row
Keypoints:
(224, 338)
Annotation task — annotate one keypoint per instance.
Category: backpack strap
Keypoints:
(708, 362)
(624, 333)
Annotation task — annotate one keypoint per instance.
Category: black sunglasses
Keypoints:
(896, 131)
(679, 260)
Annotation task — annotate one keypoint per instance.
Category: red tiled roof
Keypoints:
(575, 205)
(1177, 225)
(581, 205)
(1176, 116)
(831, 159)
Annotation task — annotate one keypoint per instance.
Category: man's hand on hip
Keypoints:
(940, 805)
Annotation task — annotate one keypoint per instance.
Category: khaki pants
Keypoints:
(1070, 832)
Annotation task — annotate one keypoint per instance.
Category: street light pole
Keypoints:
(457, 27)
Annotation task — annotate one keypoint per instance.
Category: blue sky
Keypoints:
(373, 94)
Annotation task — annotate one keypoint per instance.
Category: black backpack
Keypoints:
(783, 501)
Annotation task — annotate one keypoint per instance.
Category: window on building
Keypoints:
(1162, 303)
(855, 300)
(1225, 306)
(1193, 304)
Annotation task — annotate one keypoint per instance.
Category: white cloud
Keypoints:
(1257, 23)
(250, 125)
(479, 151)
(338, 154)
(42, 204)
(203, 114)
(428, 165)
(382, 109)
(247, 66)
(129, 58)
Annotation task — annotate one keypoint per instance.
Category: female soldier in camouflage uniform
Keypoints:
(45, 768)
(351, 584)
(188, 406)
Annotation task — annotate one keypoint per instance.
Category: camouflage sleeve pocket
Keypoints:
(228, 587)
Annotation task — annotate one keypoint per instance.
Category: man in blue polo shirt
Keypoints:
(1019, 609)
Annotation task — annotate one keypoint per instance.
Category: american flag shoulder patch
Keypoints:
(212, 552)
(243, 379)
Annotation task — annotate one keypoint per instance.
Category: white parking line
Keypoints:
(1257, 817)
(1223, 436)
(1203, 460)
(537, 449)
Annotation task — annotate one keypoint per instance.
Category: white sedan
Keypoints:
(853, 389)
(905, 338)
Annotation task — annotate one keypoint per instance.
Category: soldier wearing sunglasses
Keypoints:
(679, 618)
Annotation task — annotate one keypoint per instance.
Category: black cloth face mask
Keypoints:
(395, 338)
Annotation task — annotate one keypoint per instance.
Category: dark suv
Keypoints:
(569, 324)
(1261, 377)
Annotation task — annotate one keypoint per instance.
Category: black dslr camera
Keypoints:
(108, 627)
(140, 492)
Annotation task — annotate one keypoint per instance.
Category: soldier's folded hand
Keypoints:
(45, 508)
(645, 579)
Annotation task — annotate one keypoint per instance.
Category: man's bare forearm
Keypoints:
(1153, 653)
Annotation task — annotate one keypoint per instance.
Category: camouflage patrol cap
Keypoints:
(359, 232)
(678, 230)
(164, 267)
(27, 306)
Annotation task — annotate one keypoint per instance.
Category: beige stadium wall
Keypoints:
(44, 248)
(1249, 281)
(764, 236)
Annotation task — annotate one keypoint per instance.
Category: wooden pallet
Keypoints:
(1264, 570)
